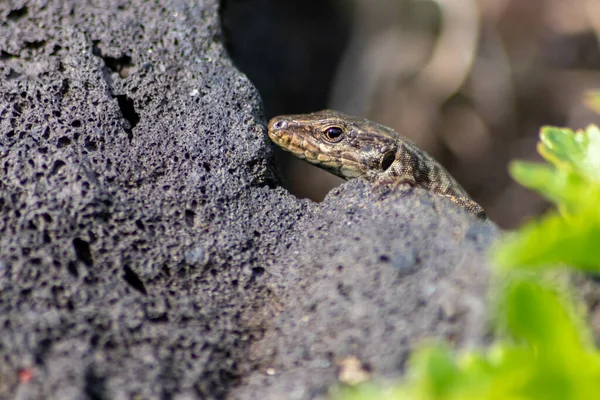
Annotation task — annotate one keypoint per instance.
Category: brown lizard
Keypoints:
(353, 147)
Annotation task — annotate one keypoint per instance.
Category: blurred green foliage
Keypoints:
(572, 181)
(592, 100)
(543, 348)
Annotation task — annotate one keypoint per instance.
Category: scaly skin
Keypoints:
(353, 147)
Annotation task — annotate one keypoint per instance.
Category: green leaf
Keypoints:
(571, 184)
(545, 320)
(437, 370)
(539, 316)
(552, 241)
(567, 189)
(572, 151)
(560, 146)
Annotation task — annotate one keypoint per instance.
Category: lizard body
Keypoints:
(353, 147)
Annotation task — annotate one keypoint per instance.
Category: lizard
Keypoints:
(352, 147)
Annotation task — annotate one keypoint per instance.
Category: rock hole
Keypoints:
(56, 167)
(189, 218)
(63, 142)
(42, 350)
(90, 145)
(83, 251)
(133, 280)
(121, 65)
(72, 268)
(36, 44)
(95, 385)
(128, 111)
(14, 15)
(4, 55)
(140, 225)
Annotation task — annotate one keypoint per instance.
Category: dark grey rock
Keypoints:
(370, 276)
(145, 248)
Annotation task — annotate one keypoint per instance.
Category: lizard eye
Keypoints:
(387, 160)
(333, 133)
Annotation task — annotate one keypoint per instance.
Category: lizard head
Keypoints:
(344, 145)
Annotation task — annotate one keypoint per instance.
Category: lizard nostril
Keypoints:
(281, 124)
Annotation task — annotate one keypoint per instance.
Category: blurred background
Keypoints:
(470, 81)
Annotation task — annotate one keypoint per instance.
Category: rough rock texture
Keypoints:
(146, 248)
(369, 276)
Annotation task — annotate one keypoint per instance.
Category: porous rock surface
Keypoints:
(146, 249)
(371, 275)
